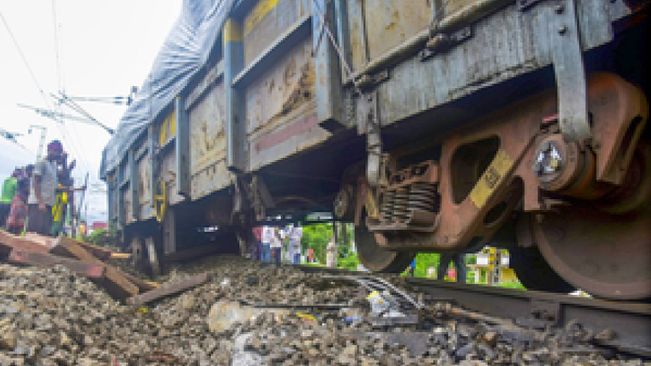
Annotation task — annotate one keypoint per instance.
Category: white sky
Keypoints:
(104, 47)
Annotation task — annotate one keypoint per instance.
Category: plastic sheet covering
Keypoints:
(184, 52)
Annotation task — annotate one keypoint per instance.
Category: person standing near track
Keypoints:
(459, 264)
(295, 235)
(276, 246)
(267, 235)
(16, 221)
(42, 194)
(9, 187)
(257, 248)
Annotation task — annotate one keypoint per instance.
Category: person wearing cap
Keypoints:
(42, 194)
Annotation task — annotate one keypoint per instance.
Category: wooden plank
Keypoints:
(117, 284)
(47, 241)
(71, 249)
(168, 289)
(143, 285)
(9, 241)
(45, 260)
(114, 281)
(118, 255)
(97, 252)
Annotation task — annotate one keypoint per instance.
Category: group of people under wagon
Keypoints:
(269, 249)
(34, 198)
(270, 242)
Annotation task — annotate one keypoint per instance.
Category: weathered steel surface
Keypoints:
(280, 109)
(144, 188)
(168, 175)
(273, 111)
(391, 22)
(182, 148)
(127, 207)
(328, 88)
(267, 20)
(504, 45)
(236, 144)
(208, 147)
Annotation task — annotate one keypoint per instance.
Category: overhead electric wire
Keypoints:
(57, 55)
(22, 56)
(34, 78)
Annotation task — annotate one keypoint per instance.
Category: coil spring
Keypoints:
(401, 204)
(423, 196)
(386, 209)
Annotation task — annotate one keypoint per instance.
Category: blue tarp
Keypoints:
(183, 54)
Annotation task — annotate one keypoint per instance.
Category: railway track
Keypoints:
(621, 326)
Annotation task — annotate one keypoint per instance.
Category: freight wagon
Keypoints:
(433, 126)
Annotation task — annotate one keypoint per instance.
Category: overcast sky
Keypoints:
(104, 47)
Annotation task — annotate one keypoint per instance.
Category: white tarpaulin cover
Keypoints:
(184, 52)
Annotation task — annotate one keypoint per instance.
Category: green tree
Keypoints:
(317, 236)
(424, 261)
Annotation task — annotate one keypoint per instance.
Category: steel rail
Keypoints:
(624, 326)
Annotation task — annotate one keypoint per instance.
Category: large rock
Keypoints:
(224, 314)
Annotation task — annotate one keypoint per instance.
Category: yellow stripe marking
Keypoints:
(167, 129)
(232, 31)
(491, 179)
(261, 9)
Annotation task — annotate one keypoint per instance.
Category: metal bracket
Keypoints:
(567, 58)
(261, 198)
(368, 82)
(523, 5)
(442, 42)
(373, 140)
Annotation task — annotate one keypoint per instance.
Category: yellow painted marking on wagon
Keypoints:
(491, 179)
(261, 9)
(232, 31)
(167, 129)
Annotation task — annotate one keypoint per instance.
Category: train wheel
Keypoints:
(376, 258)
(138, 254)
(604, 249)
(606, 255)
(534, 273)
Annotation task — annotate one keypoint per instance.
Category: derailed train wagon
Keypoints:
(432, 125)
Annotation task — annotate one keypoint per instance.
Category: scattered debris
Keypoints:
(168, 289)
(85, 259)
(266, 315)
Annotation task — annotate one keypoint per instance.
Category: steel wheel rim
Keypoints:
(606, 255)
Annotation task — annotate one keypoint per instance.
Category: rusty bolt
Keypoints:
(548, 159)
(562, 29)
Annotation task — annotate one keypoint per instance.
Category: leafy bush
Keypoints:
(103, 237)
(349, 262)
